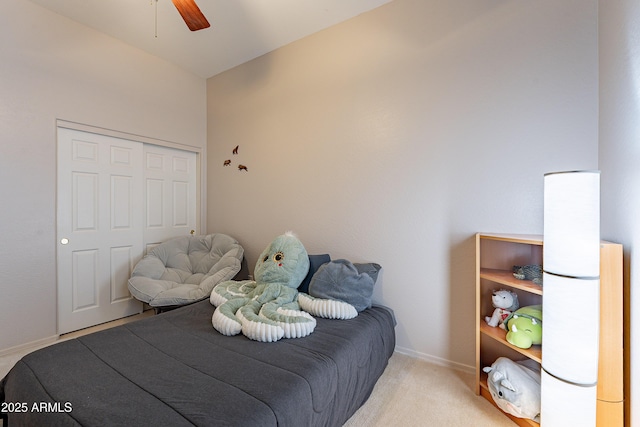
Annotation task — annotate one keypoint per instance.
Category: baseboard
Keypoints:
(437, 360)
(33, 345)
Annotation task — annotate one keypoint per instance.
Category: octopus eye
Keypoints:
(265, 258)
(279, 256)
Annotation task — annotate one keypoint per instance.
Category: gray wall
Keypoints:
(397, 135)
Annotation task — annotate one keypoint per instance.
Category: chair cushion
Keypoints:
(185, 269)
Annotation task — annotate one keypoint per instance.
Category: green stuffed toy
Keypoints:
(524, 326)
(266, 309)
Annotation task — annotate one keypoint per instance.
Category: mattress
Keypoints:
(175, 369)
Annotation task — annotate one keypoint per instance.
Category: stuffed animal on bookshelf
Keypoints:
(515, 387)
(524, 326)
(528, 272)
(505, 302)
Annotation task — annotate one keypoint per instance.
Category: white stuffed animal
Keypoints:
(515, 387)
(504, 302)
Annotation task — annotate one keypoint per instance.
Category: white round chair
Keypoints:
(185, 269)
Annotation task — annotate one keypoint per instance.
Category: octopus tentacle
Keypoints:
(257, 327)
(295, 323)
(231, 289)
(224, 318)
(327, 308)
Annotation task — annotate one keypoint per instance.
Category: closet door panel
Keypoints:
(99, 227)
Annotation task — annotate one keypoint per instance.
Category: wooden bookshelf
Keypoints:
(495, 256)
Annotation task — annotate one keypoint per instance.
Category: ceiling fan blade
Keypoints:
(191, 14)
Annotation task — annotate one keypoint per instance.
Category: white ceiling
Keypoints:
(240, 29)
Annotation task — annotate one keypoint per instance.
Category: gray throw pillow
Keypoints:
(344, 281)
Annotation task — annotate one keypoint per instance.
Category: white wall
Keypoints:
(619, 29)
(397, 135)
(52, 68)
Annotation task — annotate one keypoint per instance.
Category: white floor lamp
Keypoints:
(571, 298)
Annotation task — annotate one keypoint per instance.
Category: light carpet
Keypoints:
(413, 392)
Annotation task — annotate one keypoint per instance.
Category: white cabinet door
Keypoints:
(100, 216)
(170, 193)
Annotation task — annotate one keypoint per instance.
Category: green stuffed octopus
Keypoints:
(267, 309)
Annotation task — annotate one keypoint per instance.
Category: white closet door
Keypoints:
(100, 217)
(170, 189)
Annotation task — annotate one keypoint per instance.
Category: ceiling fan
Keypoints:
(191, 14)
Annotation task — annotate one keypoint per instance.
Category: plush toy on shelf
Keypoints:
(505, 303)
(524, 326)
(515, 387)
(528, 272)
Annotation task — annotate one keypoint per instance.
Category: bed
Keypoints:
(174, 369)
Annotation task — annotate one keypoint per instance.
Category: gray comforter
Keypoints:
(174, 369)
